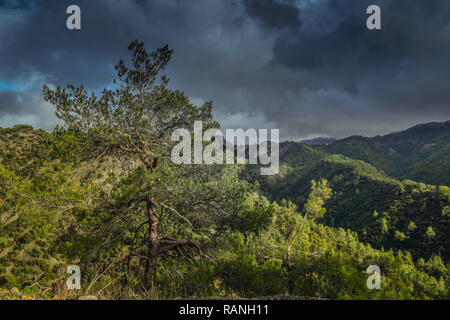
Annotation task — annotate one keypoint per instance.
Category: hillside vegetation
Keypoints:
(385, 212)
(420, 153)
(101, 193)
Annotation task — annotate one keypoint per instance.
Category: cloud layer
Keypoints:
(308, 67)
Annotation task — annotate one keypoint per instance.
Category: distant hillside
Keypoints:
(318, 141)
(420, 153)
(384, 211)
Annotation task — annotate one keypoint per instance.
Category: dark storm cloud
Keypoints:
(11, 103)
(273, 15)
(309, 67)
(22, 104)
(414, 32)
(16, 4)
(39, 41)
(395, 74)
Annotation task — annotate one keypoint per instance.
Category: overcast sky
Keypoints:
(308, 67)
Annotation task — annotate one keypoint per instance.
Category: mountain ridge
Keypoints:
(367, 199)
(399, 153)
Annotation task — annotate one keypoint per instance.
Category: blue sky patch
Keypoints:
(13, 86)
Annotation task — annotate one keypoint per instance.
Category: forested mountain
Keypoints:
(51, 218)
(102, 193)
(420, 153)
(385, 212)
(46, 223)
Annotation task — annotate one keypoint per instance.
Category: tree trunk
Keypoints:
(153, 245)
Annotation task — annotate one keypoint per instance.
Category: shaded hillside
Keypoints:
(384, 211)
(420, 153)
